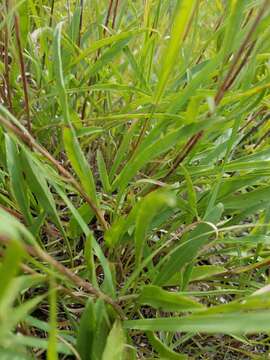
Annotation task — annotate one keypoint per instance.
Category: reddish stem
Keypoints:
(23, 74)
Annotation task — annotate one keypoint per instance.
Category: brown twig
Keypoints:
(80, 25)
(23, 74)
(251, 118)
(254, 129)
(142, 132)
(12, 212)
(242, 269)
(266, 135)
(224, 86)
(248, 17)
(28, 139)
(115, 13)
(183, 154)
(240, 67)
(6, 62)
(108, 16)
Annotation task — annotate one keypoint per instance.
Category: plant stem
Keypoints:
(6, 62)
(23, 74)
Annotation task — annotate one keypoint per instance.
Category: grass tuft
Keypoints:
(134, 179)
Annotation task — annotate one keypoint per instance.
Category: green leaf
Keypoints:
(24, 21)
(106, 58)
(149, 207)
(36, 181)
(93, 331)
(86, 214)
(192, 199)
(166, 300)
(148, 153)
(198, 273)
(183, 254)
(37, 343)
(164, 351)
(10, 265)
(12, 228)
(38, 184)
(79, 162)
(58, 72)
(115, 232)
(74, 26)
(17, 179)
(89, 257)
(115, 343)
(86, 331)
(248, 199)
(88, 131)
(234, 23)
(52, 344)
(206, 271)
(123, 148)
(123, 36)
(104, 177)
(233, 323)
(19, 313)
(8, 354)
(183, 14)
(108, 281)
(71, 143)
(101, 330)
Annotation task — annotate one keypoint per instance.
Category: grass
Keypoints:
(134, 179)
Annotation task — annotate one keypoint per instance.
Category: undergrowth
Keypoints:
(134, 179)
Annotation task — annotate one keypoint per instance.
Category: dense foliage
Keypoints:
(134, 179)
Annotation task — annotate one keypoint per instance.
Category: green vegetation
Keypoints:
(134, 179)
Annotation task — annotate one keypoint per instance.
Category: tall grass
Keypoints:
(134, 179)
